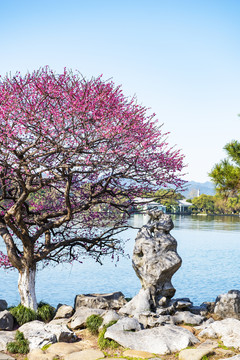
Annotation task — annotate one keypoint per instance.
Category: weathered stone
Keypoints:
(194, 354)
(40, 334)
(187, 318)
(224, 352)
(237, 357)
(155, 258)
(64, 311)
(38, 354)
(88, 354)
(149, 319)
(139, 304)
(181, 303)
(6, 357)
(78, 320)
(209, 343)
(199, 310)
(126, 324)
(6, 320)
(3, 305)
(138, 354)
(62, 348)
(6, 337)
(110, 315)
(205, 324)
(112, 301)
(160, 340)
(228, 330)
(228, 305)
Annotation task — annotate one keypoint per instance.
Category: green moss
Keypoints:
(19, 346)
(45, 347)
(107, 343)
(205, 357)
(93, 323)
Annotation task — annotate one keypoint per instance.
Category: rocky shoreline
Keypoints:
(211, 330)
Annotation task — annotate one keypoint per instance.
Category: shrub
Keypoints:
(23, 314)
(19, 346)
(106, 343)
(45, 312)
(93, 323)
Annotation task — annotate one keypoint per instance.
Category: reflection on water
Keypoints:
(209, 247)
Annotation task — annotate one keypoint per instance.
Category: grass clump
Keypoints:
(45, 312)
(93, 323)
(106, 343)
(23, 314)
(20, 345)
(205, 357)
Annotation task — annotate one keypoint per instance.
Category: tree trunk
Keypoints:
(26, 287)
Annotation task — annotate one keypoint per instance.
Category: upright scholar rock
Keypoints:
(155, 260)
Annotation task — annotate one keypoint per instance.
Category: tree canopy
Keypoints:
(74, 154)
(226, 174)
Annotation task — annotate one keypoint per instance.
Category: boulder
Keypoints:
(40, 334)
(155, 258)
(194, 354)
(139, 304)
(228, 305)
(228, 330)
(6, 337)
(6, 320)
(62, 349)
(38, 354)
(3, 305)
(78, 320)
(187, 317)
(160, 340)
(6, 357)
(109, 315)
(126, 324)
(112, 301)
(88, 354)
(64, 311)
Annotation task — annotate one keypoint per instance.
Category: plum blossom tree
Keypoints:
(74, 154)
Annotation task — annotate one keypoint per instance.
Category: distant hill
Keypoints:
(193, 187)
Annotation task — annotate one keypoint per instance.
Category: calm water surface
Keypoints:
(209, 247)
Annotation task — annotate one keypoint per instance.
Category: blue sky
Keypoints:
(180, 58)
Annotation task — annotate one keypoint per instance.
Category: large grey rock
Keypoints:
(6, 320)
(78, 320)
(187, 317)
(6, 337)
(126, 324)
(237, 357)
(3, 305)
(155, 258)
(160, 340)
(228, 305)
(64, 311)
(110, 315)
(228, 330)
(112, 301)
(40, 334)
(139, 304)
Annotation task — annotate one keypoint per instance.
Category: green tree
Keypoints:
(203, 203)
(226, 174)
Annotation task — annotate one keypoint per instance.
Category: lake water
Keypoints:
(208, 246)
